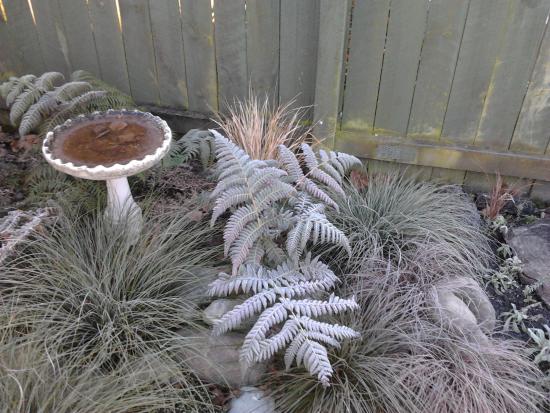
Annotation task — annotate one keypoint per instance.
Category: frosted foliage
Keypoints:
(277, 213)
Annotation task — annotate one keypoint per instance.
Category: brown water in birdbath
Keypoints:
(107, 141)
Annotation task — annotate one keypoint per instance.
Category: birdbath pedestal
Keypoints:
(110, 146)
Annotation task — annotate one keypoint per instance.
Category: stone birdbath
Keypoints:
(110, 146)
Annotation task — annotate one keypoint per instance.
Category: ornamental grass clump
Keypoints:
(34, 378)
(405, 362)
(259, 128)
(394, 216)
(96, 296)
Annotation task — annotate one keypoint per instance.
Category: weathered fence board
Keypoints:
(451, 90)
(262, 43)
(401, 58)
(532, 134)
(332, 33)
(230, 34)
(9, 60)
(446, 19)
(368, 38)
(298, 52)
(169, 56)
(511, 73)
(109, 43)
(22, 33)
(200, 56)
(77, 32)
(444, 29)
(140, 55)
(51, 37)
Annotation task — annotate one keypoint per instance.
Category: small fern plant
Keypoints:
(195, 144)
(37, 104)
(277, 214)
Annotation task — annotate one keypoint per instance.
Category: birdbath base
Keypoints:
(121, 206)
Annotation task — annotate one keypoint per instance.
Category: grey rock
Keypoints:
(252, 400)
(216, 359)
(469, 291)
(198, 291)
(531, 243)
(452, 306)
(218, 308)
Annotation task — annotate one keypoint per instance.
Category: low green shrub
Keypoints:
(394, 216)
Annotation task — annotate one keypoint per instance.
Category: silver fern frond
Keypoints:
(17, 87)
(23, 102)
(37, 103)
(46, 105)
(274, 218)
(71, 90)
(6, 86)
(315, 170)
(313, 225)
(315, 359)
(48, 80)
(316, 308)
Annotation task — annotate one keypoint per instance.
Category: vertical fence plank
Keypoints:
(230, 34)
(532, 130)
(109, 44)
(170, 60)
(333, 28)
(140, 55)
(525, 25)
(23, 35)
(444, 29)
(511, 73)
(532, 133)
(262, 43)
(485, 25)
(482, 37)
(51, 37)
(200, 56)
(368, 37)
(78, 34)
(298, 52)
(10, 61)
(404, 41)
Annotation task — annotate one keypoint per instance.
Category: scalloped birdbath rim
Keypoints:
(118, 170)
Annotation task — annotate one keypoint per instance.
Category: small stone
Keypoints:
(216, 359)
(117, 125)
(450, 310)
(252, 400)
(217, 309)
(469, 291)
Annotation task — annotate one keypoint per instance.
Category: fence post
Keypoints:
(333, 27)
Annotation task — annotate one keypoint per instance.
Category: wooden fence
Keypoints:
(454, 89)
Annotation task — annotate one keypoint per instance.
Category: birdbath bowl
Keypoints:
(110, 146)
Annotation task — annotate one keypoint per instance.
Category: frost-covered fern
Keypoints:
(277, 213)
(41, 103)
